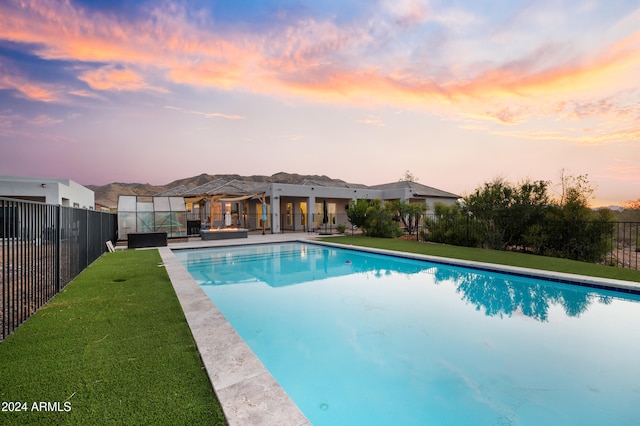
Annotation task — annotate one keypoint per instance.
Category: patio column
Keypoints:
(311, 208)
(275, 215)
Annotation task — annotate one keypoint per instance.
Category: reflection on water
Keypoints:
(504, 295)
(293, 263)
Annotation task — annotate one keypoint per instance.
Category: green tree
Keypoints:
(380, 221)
(572, 228)
(450, 224)
(506, 211)
(357, 212)
(489, 205)
(525, 216)
(530, 204)
(407, 213)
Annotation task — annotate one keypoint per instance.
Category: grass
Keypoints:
(492, 256)
(115, 347)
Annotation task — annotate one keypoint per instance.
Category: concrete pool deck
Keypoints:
(248, 393)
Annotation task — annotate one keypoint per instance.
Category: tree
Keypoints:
(572, 229)
(531, 202)
(375, 218)
(632, 204)
(380, 221)
(506, 211)
(575, 189)
(357, 212)
(631, 211)
(450, 224)
(502, 215)
(408, 177)
(408, 213)
(489, 204)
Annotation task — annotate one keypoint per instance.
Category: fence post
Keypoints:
(5, 269)
(86, 216)
(58, 236)
(467, 215)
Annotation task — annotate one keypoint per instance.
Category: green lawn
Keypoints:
(492, 256)
(112, 348)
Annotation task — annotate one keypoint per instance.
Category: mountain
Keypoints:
(107, 195)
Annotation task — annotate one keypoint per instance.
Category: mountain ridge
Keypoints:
(107, 195)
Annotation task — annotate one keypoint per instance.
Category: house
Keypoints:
(64, 192)
(282, 207)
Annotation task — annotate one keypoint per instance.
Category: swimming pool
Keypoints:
(359, 338)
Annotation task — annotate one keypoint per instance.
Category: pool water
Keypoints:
(357, 338)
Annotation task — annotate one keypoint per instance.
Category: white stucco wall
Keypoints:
(54, 191)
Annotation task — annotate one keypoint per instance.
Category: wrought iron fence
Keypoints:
(297, 222)
(294, 222)
(625, 245)
(42, 248)
(610, 243)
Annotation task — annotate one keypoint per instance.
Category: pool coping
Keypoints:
(247, 392)
(622, 286)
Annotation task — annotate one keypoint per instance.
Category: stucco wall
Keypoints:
(54, 191)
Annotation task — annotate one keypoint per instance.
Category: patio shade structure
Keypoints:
(231, 198)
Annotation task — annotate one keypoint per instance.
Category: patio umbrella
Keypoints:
(325, 212)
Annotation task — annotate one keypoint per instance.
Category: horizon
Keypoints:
(459, 93)
(461, 194)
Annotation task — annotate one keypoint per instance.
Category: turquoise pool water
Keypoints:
(357, 338)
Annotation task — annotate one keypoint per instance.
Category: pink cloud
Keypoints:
(112, 78)
(11, 80)
(43, 120)
(626, 173)
(372, 121)
(584, 136)
(30, 90)
(322, 62)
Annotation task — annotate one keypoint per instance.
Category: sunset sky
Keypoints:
(457, 92)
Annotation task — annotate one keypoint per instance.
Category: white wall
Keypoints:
(55, 191)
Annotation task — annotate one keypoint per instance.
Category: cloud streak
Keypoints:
(209, 114)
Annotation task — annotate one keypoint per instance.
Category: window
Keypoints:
(289, 213)
(303, 213)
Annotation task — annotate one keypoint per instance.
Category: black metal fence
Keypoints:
(610, 243)
(42, 248)
(294, 222)
(297, 222)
